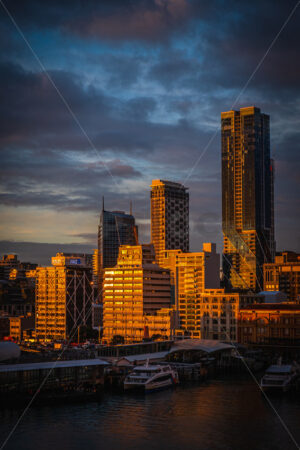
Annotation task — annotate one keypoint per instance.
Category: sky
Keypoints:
(138, 90)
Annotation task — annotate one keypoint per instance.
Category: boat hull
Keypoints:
(150, 387)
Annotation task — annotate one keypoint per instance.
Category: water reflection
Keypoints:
(221, 415)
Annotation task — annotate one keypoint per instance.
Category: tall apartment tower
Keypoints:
(169, 217)
(247, 197)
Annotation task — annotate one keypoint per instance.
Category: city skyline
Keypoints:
(149, 232)
(150, 100)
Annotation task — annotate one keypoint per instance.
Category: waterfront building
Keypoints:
(284, 275)
(192, 272)
(18, 325)
(212, 314)
(136, 296)
(4, 327)
(169, 217)
(55, 376)
(270, 323)
(204, 310)
(63, 297)
(247, 197)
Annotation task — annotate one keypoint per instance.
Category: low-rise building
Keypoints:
(212, 314)
(269, 323)
(18, 325)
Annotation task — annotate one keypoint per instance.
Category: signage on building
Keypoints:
(75, 261)
(56, 261)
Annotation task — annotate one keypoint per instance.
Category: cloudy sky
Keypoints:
(147, 81)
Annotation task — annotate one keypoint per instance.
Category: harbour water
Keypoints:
(222, 414)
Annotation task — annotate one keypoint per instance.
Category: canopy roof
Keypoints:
(52, 365)
(206, 345)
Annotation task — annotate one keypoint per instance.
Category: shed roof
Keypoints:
(52, 365)
(145, 356)
(206, 345)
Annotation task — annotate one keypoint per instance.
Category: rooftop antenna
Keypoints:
(130, 210)
(102, 202)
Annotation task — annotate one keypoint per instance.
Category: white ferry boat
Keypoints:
(280, 377)
(151, 378)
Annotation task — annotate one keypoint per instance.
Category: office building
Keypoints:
(204, 310)
(169, 217)
(18, 326)
(284, 275)
(8, 263)
(115, 228)
(136, 296)
(247, 197)
(192, 272)
(212, 314)
(63, 297)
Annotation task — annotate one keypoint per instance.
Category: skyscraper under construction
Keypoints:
(169, 217)
(247, 197)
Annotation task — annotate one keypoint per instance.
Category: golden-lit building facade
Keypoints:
(136, 296)
(247, 197)
(18, 325)
(169, 217)
(284, 275)
(63, 297)
(270, 323)
(191, 274)
(213, 314)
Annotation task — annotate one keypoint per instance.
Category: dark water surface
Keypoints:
(220, 415)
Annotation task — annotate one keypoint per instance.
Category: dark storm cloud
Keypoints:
(118, 19)
(59, 183)
(145, 20)
(123, 71)
(150, 91)
(33, 115)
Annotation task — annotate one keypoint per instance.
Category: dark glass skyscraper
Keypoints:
(247, 197)
(116, 228)
(169, 217)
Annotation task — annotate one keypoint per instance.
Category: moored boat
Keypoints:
(280, 377)
(150, 378)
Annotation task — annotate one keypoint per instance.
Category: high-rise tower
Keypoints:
(115, 228)
(169, 217)
(247, 197)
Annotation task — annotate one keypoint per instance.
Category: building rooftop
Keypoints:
(52, 365)
(289, 306)
(167, 183)
(144, 356)
(206, 345)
